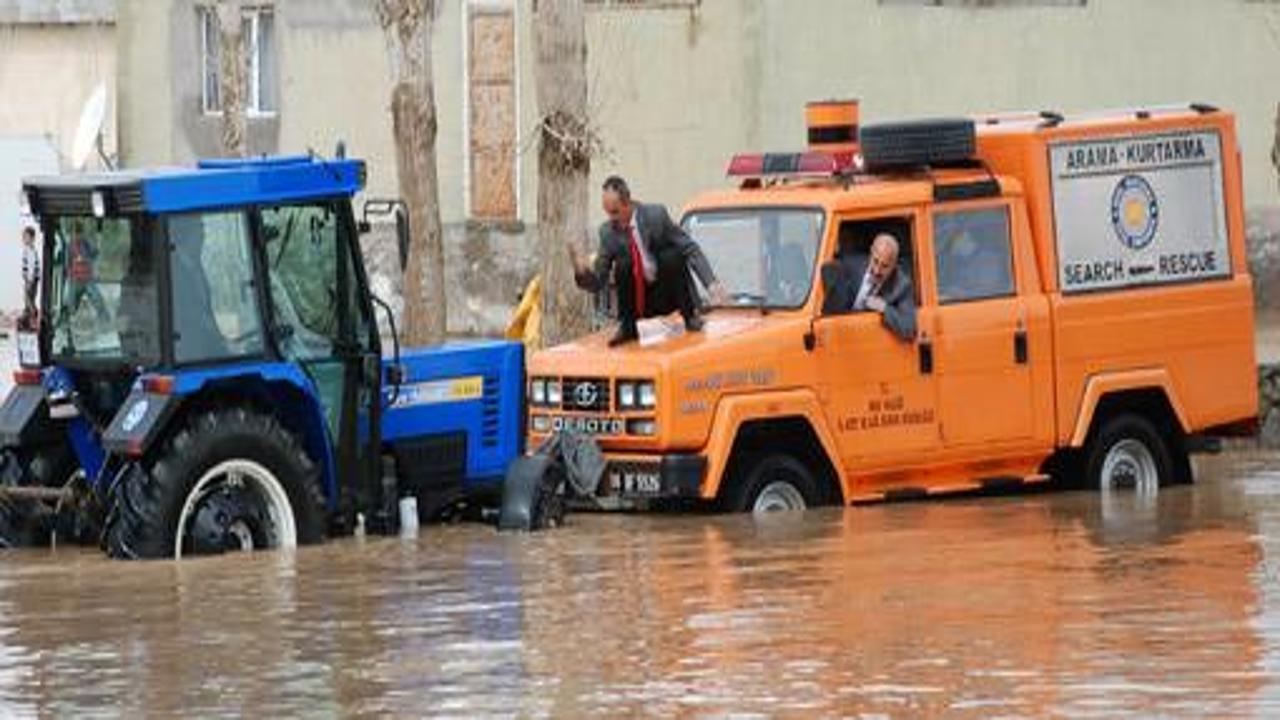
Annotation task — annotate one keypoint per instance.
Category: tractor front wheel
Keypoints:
(229, 480)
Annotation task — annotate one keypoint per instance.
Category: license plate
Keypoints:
(588, 425)
(636, 482)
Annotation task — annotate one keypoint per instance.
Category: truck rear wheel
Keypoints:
(230, 480)
(1128, 454)
(771, 483)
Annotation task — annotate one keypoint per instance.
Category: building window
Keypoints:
(491, 112)
(257, 32)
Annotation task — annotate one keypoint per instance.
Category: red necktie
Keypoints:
(637, 270)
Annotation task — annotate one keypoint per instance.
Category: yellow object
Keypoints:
(526, 322)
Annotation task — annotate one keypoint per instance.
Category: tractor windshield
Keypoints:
(102, 294)
(764, 257)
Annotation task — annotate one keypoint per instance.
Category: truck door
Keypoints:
(878, 389)
(322, 321)
(986, 330)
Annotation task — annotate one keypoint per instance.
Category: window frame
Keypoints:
(1002, 205)
(207, 28)
(168, 319)
(348, 282)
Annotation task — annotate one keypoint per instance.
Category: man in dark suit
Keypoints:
(857, 282)
(649, 258)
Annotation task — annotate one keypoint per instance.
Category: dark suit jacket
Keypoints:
(899, 298)
(659, 233)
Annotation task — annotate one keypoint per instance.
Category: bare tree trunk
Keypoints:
(564, 164)
(232, 76)
(407, 25)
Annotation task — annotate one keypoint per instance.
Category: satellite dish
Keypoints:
(89, 129)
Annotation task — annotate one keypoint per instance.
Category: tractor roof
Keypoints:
(210, 184)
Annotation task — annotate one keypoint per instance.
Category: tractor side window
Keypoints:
(973, 254)
(302, 262)
(215, 309)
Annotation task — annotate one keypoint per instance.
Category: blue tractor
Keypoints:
(208, 374)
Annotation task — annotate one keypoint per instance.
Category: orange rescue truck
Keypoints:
(1084, 313)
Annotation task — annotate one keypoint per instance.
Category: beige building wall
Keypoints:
(679, 88)
(678, 92)
(47, 73)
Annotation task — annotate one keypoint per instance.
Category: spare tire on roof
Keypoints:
(917, 142)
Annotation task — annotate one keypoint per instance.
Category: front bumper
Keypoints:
(653, 477)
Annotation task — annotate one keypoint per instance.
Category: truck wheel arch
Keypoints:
(1150, 391)
(790, 411)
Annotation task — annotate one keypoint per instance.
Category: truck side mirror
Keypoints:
(382, 206)
(402, 236)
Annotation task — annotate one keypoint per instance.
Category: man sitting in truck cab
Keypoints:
(856, 282)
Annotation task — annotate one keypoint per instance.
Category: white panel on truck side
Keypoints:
(1139, 210)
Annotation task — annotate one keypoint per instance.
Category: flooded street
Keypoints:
(1045, 604)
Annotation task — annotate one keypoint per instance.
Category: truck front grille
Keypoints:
(585, 395)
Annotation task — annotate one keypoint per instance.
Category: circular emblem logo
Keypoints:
(1135, 212)
(586, 394)
(136, 413)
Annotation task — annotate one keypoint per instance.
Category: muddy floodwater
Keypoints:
(1048, 604)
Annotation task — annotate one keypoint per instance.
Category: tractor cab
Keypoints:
(208, 373)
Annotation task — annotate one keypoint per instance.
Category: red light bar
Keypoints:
(157, 384)
(808, 163)
(26, 376)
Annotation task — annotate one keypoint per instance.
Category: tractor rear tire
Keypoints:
(230, 479)
(25, 522)
(916, 143)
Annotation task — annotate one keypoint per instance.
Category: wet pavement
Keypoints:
(1050, 604)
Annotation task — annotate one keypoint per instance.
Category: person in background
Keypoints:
(30, 278)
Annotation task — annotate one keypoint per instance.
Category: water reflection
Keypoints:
(1045, 604)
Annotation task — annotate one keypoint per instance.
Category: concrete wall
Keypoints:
(678, 88)
(47, 72)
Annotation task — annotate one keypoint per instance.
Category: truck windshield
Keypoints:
(764, 257)
(102, 293)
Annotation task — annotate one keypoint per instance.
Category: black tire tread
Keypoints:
(28, 523)
(748, 476)
(917, 142)
(1118, 427)
(147, 499)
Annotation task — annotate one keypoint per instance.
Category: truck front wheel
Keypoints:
(229, 480)
(771, 483)
(1128, 455)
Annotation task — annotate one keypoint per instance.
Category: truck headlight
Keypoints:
(98, 203)
(647, 395)
(538, 392)
(541, 424)
(626, 395)
(554, 393)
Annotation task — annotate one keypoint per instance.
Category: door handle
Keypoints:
(925, 348)
(1020, 346)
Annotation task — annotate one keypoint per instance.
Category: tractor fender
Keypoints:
(282, 387)
(1099, 386)
(733, 411)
